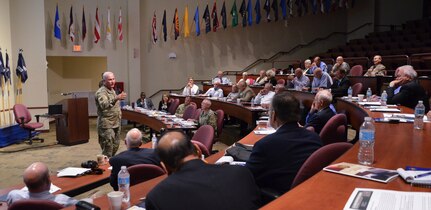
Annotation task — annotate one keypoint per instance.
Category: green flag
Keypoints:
(234, 14)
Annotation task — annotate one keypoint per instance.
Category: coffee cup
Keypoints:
(115, 200)
(102, 159)
(360, 97)
(238, 101)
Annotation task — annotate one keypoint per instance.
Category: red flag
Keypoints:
(120, 27)
(97, 27)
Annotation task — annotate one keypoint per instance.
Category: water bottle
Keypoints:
(252, 102)
(366, 142)
(281, 72)
(384, 98)
(291, 70)
(154, 141)
(369, 93)
(124, 183)
(419, 116)
(350, 93)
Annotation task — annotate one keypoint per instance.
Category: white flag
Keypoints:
(108, 27)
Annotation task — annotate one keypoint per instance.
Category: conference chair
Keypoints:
(174, 105)
(205, 135)
(23, 118)
(220, 120)
(281, 81)
(320, 159)
(202, 148)
(356, 89)
(197, 114)
(35, 205)
(189, 112)
(143, 172)
(356, 70)
(335, 130)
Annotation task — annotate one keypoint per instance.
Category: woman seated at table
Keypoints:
(207, 116)
(164, 103)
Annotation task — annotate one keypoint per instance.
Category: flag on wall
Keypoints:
(275, 8)
(120, 27)
(108, 27)
(154, 28)
(186, 22)
(176, 23)
(283, 6)
(302, 7)
(21, 69)
(1, 65)
(57, 30)
(257, 10)
(267, 8)
(223, 16)
(215, 18)
(290, 7)
(234, 14)
(97, 27)
(206, 18)
(243, 12)
(71, 25)
(197, 22)
(6, 70)
(250, 13)
(165, 31)
(84, 25)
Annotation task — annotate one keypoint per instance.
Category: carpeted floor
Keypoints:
(15, 158)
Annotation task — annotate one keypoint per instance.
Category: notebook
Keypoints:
(363, 172)
(416, 177)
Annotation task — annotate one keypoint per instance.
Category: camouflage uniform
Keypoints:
(108, 120)
(180, 110)
(209, 118)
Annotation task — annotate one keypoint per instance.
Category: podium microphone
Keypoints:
(65, 94)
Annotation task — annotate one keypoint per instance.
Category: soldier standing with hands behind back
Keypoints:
(109, 115)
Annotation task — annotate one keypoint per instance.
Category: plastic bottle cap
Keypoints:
(367, 118)
(123, 167)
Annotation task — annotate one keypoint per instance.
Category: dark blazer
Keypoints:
(318, 119)
(150, 105)
(205, 186)
(128, 158)
(409, 95)
(167, 107)
(339, 87)
(276, 158)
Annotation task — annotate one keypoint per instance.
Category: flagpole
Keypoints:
(8, 103)
(2, 121)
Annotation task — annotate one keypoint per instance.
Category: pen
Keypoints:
(423, 175)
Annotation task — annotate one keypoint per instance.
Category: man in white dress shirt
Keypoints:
(215, 91)
(221, 79)
(191, 89)
(265, 95)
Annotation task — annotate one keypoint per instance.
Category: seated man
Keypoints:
(215, 91)
(193, 184)
(245, 92)
(340, 64)
(279, 88)
(317, 63)
(132, 156)
(221, 79)
(321, 80)
(378, 69)
(276, 158)
(265, 95)
(233, 95)
(300, 82)
(36, 178)
(190, 89)
(341, 84)
(144, 102)
(320, 111)
(307, 67)
(246, 79)
(262, 79)
(207, 116)
(182, 107)
(405, 90)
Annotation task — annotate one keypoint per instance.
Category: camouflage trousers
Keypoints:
(109, 140)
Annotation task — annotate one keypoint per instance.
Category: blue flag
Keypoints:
(223, 16)
(275, 7)
(206, 18)
(267, 8)
(314, 6)
(1, 65)
(283, 6)
(6, 70)
(250, 13)
(197, 22)
(21, 69)
(165, 31)
(257, 9)
(243, 12)
(57, 31)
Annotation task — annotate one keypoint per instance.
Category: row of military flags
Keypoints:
(246, 13)
(72, 32)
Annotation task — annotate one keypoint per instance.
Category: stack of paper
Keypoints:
(72, 171)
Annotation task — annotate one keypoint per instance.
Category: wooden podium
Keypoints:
(73, 127)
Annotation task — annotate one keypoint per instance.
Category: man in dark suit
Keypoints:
(320, 111)
(341, 83)
(405, 90)
(193, 184)
(132, 156)
(276, 158)
(144, 102)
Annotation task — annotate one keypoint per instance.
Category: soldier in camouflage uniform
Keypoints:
(207, 116)
(109, 115)
(182, 107)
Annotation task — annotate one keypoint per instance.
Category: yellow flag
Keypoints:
(186, 22)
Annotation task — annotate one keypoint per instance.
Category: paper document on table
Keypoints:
(53, 188)
(415, 177)
(72, 171)
(366, 199)
(386, 110)
(264, 131)
(370, 103)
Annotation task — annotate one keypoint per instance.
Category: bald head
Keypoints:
(241, 85)
(318, 73)
(324, 97)
(109, 80)
(173, 149)
(36, 177)
(134, 138)
(220, 73)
